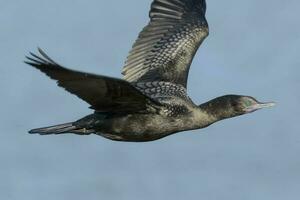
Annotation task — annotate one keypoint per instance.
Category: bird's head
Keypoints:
(233, 105)
(247, 104)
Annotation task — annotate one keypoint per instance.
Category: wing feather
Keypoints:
(166, 46)
(104, 94)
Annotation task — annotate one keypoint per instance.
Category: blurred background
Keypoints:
(253, 49)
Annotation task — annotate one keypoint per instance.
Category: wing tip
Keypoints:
(38, 60)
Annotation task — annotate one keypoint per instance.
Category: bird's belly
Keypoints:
(140, 128)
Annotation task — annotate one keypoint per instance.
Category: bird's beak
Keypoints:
(259, 106)
(265, 105)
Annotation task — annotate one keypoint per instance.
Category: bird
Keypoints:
(150, 102)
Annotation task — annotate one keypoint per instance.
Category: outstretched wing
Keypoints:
(165, 48)
(104, 94)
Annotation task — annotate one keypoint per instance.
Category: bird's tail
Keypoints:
(57, 129)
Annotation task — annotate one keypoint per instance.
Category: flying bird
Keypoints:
(151, 101)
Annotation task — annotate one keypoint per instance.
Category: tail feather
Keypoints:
(57, 129)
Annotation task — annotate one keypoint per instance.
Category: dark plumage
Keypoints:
(151, 102)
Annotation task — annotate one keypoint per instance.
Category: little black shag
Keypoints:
(151, 100)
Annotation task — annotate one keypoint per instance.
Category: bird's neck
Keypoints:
(217, 109)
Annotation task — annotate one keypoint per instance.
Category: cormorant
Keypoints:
(151, 102)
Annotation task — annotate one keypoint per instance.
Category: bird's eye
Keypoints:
(248, 103)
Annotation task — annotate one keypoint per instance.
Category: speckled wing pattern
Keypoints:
(165, 48)
(172, 97)
(104, 94)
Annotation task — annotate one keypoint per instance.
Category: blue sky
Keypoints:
(252, 49)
